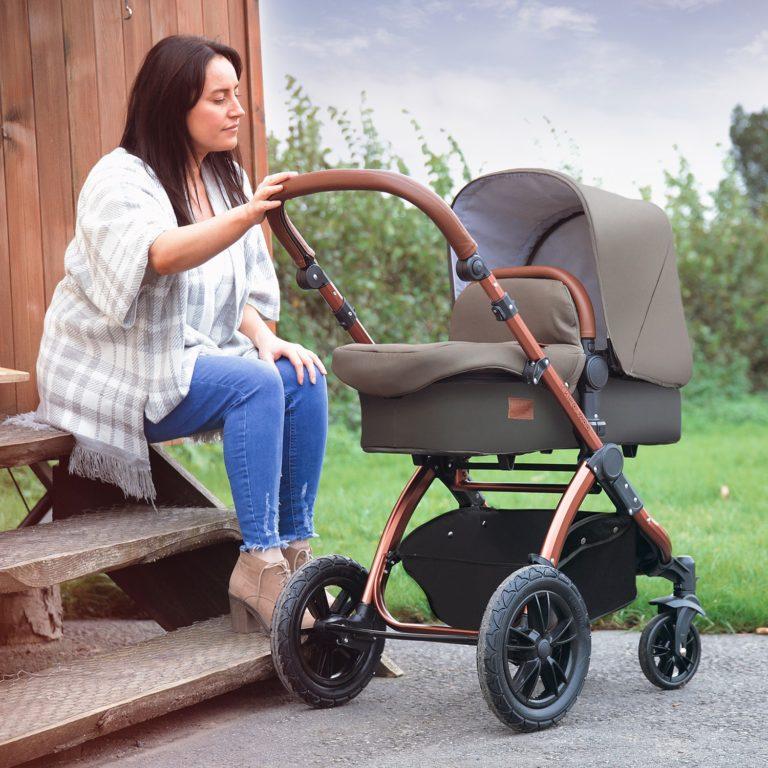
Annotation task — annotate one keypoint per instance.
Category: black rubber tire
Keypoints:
(661, 626)
(493, 662)
(290, 656)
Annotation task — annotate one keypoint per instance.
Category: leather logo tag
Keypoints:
(520, 408)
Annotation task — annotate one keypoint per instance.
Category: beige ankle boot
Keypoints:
(297, 556)
(254, 586)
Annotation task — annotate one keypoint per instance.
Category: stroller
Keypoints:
(567, 332)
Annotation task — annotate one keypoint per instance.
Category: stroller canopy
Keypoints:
(621, 250)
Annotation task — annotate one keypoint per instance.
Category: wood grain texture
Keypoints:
(21, 446)
(9, 375)
(42, 555)
(110, 71)
(216, 20)
(22, 192)
(7, 394)
(68, 705)
(82, 89)
(137, 40)
(189, 16)
(164, 21)
(54, 166)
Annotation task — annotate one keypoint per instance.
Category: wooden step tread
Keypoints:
(66, 705)
(21, 445)
(42, 555)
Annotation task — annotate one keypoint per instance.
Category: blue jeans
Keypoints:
(274, 440)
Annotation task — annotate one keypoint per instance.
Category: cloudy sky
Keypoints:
(621, 81)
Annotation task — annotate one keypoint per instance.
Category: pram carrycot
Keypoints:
(584, 347)
(608, 277)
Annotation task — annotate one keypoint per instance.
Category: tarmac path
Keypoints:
(435, 716)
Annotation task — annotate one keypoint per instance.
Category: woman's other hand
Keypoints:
(272, 348)
(260, 203)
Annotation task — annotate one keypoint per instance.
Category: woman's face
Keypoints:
(213, 121)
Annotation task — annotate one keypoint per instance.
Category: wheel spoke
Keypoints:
(526, 678)
(520, 635)
(318, 604)
(339, 602)
(560, 630)
(667, 666)
(536, 615)
(549, 677)
(519, 649)
(324, 662)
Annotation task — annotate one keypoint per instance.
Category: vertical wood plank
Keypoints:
(82, 89)
(216, 20)
(7, 391)
(110, 71)
(189, 15)
(52, 121)
(21, 186)
(137, 40)
(258, 122)
(237, 39)
(255, 77)
(163, 17)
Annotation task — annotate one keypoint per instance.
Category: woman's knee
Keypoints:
(291, 382)
(247, 378)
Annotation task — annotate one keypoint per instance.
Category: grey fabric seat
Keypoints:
(392, 370)
(478, 343)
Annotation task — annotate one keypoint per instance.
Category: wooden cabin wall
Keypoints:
(66, 68)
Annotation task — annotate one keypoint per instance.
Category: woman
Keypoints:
(157, 330)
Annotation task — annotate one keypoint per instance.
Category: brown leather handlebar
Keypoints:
(575, 287)
(359, 179)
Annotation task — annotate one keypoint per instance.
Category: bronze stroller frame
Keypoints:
(600, 465)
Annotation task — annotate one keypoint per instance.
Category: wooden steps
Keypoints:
(21, 445)
(64, 706)
(42, 555)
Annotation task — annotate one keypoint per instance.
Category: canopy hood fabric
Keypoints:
(621, 249)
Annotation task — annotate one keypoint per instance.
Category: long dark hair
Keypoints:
(169, 83)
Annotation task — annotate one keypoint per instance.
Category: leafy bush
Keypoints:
(387, 258)
(722, 247)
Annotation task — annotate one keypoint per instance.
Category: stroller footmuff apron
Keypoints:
(567, 332)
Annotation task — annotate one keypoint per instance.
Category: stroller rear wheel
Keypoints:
(315, 665)
(533, 648)
(658, 660)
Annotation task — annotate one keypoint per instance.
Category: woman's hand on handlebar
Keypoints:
(260, 203)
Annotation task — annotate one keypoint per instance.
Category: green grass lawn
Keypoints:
(680, 485)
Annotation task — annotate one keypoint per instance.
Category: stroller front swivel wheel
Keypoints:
(656, 651)
(319, 666)
(533, 648)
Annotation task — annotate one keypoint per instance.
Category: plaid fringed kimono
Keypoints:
(119, 340)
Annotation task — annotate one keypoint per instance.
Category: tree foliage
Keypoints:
(749, 136)
(387, 258)
(390, 261)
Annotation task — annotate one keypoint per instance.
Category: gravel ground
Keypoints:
(435, 715)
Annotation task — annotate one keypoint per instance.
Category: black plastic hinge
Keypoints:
(533, 371)
(607, 463)
(504, 308)
(471, 269)
(346, 315)
(311, 277)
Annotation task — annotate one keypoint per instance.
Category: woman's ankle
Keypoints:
(271, 555)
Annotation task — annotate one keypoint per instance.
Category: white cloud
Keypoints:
(548, 18)
(413, 15)
(756, 49)
(324, 46)
(682, 5)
